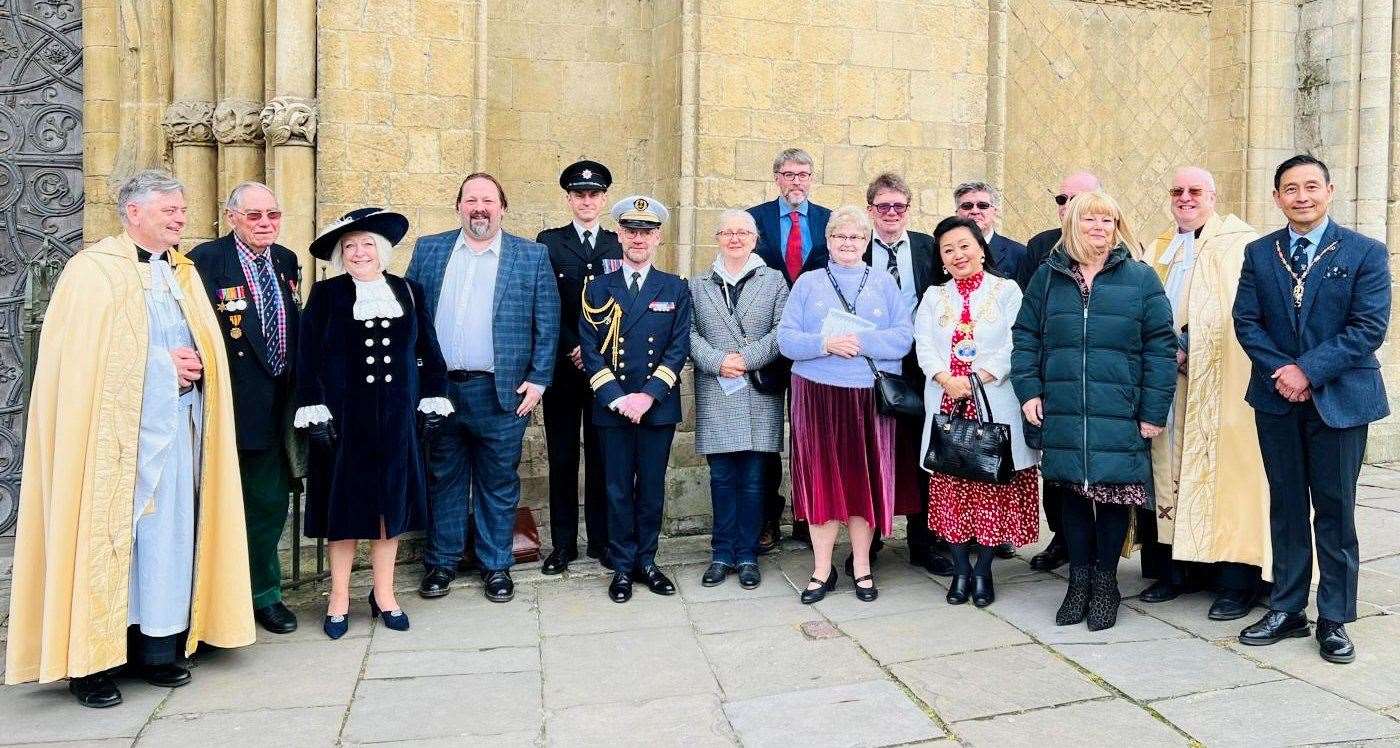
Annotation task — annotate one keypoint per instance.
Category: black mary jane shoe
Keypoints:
(749, 575)
(620, 589)
(1274, 627)
(1333, 643)
(336, 626)
(816, 594)
(96, 691)
(960, 589)
(866, 594)
(983, 593)
(162, 676)
(558, 561)
(276, 618)
(393, 619)
(714, 575)
(499, 587)
(656, 580)
(437, 582)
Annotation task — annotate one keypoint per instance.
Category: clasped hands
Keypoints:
(732, 365)
(960, 388)
(635, 405)
(845, 346)
(1292, 383)
(188, 367)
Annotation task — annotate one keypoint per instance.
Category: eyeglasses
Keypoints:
(891, 208)
(970, 206)
(1192, 191)
(733, 233)
(1062, 198)
(793, 176)
(847, 238)
(257, 215)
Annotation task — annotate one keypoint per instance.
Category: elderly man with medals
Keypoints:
(634, 337)
(131, 544)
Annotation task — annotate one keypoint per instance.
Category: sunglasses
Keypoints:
(970, 206)
(1192, 191)
(1062, 198)
(257, 215)
(891, 208)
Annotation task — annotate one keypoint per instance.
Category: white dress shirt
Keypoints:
(464, 310)
(903, 261)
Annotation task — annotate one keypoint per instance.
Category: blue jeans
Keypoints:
(736, 493)
(472, 463)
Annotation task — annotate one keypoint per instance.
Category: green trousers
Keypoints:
(266, 497)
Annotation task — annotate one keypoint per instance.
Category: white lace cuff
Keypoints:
(436, 405)
(310, 415)
(374, 300)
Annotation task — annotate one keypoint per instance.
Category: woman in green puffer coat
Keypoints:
(1095, 365)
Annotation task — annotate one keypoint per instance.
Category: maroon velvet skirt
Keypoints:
(843, 456)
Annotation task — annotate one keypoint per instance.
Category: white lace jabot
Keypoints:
(374, 299)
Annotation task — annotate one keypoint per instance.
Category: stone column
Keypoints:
(189, 119)
(1273, 88)
(998, 51)
(237, 123)
(289, 125)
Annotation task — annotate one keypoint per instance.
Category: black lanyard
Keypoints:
(850, 305)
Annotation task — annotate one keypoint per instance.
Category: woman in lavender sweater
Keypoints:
(842, 448)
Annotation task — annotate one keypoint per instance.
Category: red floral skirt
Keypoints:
(960, 510)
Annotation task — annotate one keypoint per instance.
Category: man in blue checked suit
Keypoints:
(495, 307)
(1311, 311)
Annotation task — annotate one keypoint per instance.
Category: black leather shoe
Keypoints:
(1333, 643)
(1275, 626)
(276, 618)
(814, 594)
(1159, 591)
(558, 560)
(163, 676)
(937, 565)
(960, 589)
(749, 575)
(1053, 557)
(1005, 551)
(499, 587)
(620, 590)
(866, 594)
(800, 533)
(1232, 604)
(715, 574)
(656, 580)
(983, 593)
(437, 582)
(96, 691)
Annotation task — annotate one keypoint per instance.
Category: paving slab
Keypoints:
(1190, 612)
(920, 634)
(634, 666)
(1110, 723)
(112, 743)
(1388, 565)
(47, 713)
(1286, 712)
(583, 607)
(1372, 680)
(1377, 532)
(842, 604)
(1378, 588)
(520, 739)
(313, 726)
(690, 721)
(874, 713)
(1031, 608)
(256, 677)
(735, 615)
(972, 685)
(463, 620)
(757, 662)
(446, 706)
(774, 584)
(452, 662)
(1162, 668)
(892, 568)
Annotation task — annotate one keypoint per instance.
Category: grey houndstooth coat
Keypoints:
(746, 420)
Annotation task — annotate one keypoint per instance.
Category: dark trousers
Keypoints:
(1094, 532)
(152, 650)
(736, 495)
(634, 463)
(1157, 563)
(473, 463)
(773, 499)
(266, 495)
(1312, 469)
(1052, 499)
(567, 405)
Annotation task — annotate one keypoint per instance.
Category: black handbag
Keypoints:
(894, 396)
(974, 448)
(774, 378)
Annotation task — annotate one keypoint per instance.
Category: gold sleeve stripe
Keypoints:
(666, 375)
(600, 379)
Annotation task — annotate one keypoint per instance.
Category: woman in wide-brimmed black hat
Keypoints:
(369, 370)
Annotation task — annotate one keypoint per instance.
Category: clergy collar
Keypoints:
(144, 256)
(1197, 232)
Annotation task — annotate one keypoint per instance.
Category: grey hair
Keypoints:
(235, 195)
(741, 215)
(382, 245)
(970, 187)
(795, 155)
(142, 186)
(848, 215)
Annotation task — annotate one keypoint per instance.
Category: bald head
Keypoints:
(1074, 184)
(1193, 197)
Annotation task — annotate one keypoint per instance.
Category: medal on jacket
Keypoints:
(1300, 278)
(966, 350)
(233, 299)
(235, 332)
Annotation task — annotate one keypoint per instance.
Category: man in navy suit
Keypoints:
(495, 307)
(791, 237)
(635, 337)
(1311, 311)
(980, 203)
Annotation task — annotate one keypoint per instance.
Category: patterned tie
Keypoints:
(1299, 258)
(794, 248)
(270, 311)
(892, 255)
(635, 286)
(588, 239)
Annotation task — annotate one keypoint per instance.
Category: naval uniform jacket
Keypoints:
(650, 335)
(576, 265)
(261, 401)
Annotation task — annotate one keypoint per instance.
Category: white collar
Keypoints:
(1179, 241)
(628, 270)
(903, 237)
(374, 299)
(580, 228)
(991, 234)
(493, 247)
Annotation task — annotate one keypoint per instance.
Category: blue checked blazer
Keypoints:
(525, 311)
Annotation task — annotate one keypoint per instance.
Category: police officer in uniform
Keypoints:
(635, 337)
(581, 251)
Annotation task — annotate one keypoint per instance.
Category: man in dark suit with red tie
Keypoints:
(791, 230)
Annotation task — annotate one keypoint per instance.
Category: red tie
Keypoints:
(794, 248)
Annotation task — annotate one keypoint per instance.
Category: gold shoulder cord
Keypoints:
(610, 314)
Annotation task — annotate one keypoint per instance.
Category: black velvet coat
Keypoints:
(371, 375)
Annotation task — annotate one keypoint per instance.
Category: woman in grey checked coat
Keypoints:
(737, 306)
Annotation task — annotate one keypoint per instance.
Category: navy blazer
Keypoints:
(1333, 338)
(770, 236)
(1005, 256)
(525, 308)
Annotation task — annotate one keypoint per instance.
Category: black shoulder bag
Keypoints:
(893, 395)
(974, 448)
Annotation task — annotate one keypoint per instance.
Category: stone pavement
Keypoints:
(561, 665)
